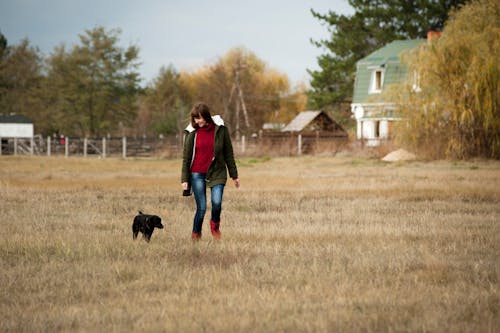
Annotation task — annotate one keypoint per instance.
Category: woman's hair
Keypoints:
(201, 110)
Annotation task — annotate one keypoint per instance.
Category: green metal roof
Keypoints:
(386, 58)
(390, 52)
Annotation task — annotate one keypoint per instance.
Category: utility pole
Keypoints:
(240, 102)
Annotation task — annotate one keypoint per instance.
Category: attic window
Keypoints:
(377, 81)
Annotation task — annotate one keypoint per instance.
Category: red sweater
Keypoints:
(204, 148)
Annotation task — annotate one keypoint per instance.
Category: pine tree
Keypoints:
(21, 68)
(93, 87)
(374, 24)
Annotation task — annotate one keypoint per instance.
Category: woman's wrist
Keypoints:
(236, 182)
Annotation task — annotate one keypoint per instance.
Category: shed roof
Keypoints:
(14, 119)
(301, 121)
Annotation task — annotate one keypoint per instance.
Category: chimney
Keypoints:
(433, 34)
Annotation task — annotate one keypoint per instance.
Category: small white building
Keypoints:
(16, 126)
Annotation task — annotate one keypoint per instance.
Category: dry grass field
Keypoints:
(323, 244)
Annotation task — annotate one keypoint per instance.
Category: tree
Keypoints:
(265, 92)
(3, 45)
(21, 76)
(374, 23)
(92, 88)
(166, 103)
(455, 112)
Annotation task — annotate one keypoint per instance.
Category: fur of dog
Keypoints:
(145, 224)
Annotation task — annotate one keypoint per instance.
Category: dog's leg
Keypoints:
(135, 230)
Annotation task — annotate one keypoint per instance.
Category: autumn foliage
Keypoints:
(264, 93)
(451, 100)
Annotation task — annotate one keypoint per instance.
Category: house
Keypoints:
(373, 112)
(16, 126)
(315, 122)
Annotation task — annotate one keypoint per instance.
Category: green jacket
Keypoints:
(222, 161)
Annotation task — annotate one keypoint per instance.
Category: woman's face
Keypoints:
(200, 121)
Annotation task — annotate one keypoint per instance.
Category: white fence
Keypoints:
(263, 145)
(104, 147)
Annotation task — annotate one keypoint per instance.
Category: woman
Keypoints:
(208, 155)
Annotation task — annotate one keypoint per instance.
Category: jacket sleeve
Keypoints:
(229, 155)
(187, 155)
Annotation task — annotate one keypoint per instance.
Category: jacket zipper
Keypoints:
(213, 157)
(194, 150)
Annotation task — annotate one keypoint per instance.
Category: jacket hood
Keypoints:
(217, 121)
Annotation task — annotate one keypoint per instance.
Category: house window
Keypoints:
(377, 81)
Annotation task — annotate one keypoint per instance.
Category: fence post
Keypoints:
(85, 143)
(124, 147)
(243, 144)
(48, 145)
(103, 147)
(299, 144)
(66, 147)
(1, 146)
(32, 146)
(15, 146)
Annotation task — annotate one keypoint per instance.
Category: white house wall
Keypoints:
(384, 129)
(16, 130)
(367, 129)
(370, 127)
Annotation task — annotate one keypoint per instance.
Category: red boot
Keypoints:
(195, 236)
(214, 228)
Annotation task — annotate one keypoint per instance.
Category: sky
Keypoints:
(187, 34)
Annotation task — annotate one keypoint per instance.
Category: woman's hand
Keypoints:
(236, 182)
(184, 186)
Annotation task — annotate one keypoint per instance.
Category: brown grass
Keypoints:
(309, 245)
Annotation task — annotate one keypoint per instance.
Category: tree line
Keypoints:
(93, 88)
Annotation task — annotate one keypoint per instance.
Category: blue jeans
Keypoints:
(199, 186)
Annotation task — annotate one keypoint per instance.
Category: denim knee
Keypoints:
(216, 197)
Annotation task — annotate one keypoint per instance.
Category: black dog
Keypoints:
(146, 224)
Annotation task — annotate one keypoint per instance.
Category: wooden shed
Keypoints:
(315, 122)
(311, 132)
